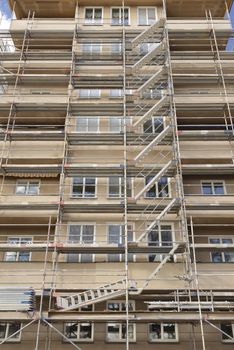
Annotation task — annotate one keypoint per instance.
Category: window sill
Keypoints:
(78, 341)
(163, 341)
(77, 197)
(119, 341)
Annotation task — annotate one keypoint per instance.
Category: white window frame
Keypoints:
(89, 94)
(228, 340)
(11, 340)
(160, 242)
(121, 124)
(92, 45)
(120, 22)
(79, 324)
(87, 125)
(18, 252)
(157, 191)
(79, 255)
(73, 195)
(163, 340)
(93, 21)
(121, 240)
(212, 182)
(120, 340)
(27, 182)
(119, 93)
(120, 185)
(119, 52)
(220, 238)
(147, 17)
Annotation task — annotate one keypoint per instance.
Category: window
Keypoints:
(154, 125)
(116, 187)
(120, 305)
(79, 331)
(7, 329)
(93, 15)
(84, 187)
(80, 234)
(159, 189)
(152, 93)
(87, 125)
(163, 332)
(146, 15)
(116, 48)
(117, 16)
(116, 124)
(91, 48)
(89, 93)
(27, 187)
(227, 328)
(116, 332)
(213, 188)
(115, 93)
(219, 256)
(116, 235)
(147, 47)
(21, 255)
(159, 236)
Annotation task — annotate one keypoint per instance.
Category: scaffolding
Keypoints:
(151, 151)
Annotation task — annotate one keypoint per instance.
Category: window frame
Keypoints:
(11, 340)
(121, 241)
(154, 132)
(27, 187)
(18, 252)
(87, 125)
(119, 52)
(157, 190)
(147, 19)
(91, 52)
(79, 255)
(212, 182)
(78, 339)
(121, 124)
(120, 340)
(163, 340)
(161, 256)
(120, 195)
(220, 238)
(73, 195)
(89, 94)
(93, 23)
(227, 341)
(119, 95)
(120, 9)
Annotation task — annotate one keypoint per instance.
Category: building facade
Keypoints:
(117, 175)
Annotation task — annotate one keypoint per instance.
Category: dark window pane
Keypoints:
(206, 188)
(226, 328)
(218, 188)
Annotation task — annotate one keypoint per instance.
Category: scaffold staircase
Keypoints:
(148, 57)
(147, 32)
(92, 296)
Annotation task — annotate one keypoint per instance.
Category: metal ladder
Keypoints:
(92, 296)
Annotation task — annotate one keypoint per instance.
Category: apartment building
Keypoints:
(117, 175)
